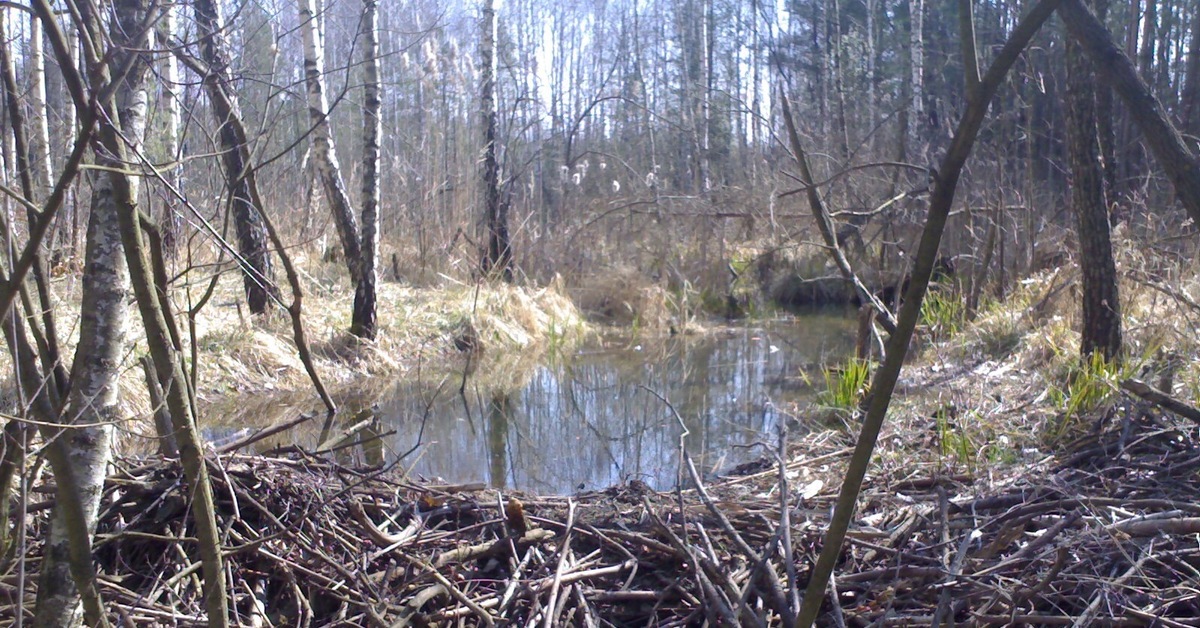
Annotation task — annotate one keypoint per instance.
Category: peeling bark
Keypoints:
(93, 400)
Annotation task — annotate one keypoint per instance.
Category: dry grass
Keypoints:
(999, 390)
(254, 358)
(624, 296)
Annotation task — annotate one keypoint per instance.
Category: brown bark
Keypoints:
(1191, 85)
(235, 153)
(1101, 315)
(498, 257)
(1164, 140)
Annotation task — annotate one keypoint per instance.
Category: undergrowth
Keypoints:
(846, 384)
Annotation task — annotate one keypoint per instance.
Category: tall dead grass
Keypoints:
(241, 357)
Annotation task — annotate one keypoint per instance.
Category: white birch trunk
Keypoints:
(916, 38)
(43, 172)
(363, 319)
(104, 312)
(171, 87)
(324, 151)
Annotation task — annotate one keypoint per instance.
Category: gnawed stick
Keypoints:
(381, 538)
(785, 525)
(463, 554)
(412, 607)
(267, 432)
(563, 550)
(452, 590)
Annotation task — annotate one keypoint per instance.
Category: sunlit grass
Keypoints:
(846, 384)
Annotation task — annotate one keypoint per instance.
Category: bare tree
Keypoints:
(324, 151)
(171, 87)
(40, 138)
(1101, 330)
(94, 404)
(1181, 165)
(235, 153)
(498, 256)
(362, 322)
(1190, 102)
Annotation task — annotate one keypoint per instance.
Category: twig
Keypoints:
(785, 525)
(492, 548)
(718, 602)
(264, 433)
(551, 616)
(775, 596)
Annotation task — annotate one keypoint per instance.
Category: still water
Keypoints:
(606, 414)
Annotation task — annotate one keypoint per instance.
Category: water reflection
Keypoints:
(609, 415)
(605, 415)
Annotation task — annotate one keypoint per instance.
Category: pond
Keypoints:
(614, 411)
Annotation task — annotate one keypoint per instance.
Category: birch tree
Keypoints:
(93, 405)
(916, 68)
(362, 322)
(40, 137)
(324, 152)
(170, 99)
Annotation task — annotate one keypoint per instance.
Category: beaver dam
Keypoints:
(1101, 536)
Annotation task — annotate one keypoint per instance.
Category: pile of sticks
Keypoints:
(1105, 535)
(310, 542)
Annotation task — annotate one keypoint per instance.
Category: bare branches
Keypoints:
(897, 348)
(825, 223)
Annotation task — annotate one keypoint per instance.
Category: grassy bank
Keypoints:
(995, 392)
(243, 359)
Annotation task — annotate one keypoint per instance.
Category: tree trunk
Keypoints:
(498, 257)
(1164, 140)
(324, 152)
(362, 322)
(40, 139)
(169, 219)
(1106, 125)
(235, 153)
(1146, 54)
(164, 351)
(916, 65)
(1191, 93)
(1101, 330)
(47, 341)
(94, 397)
